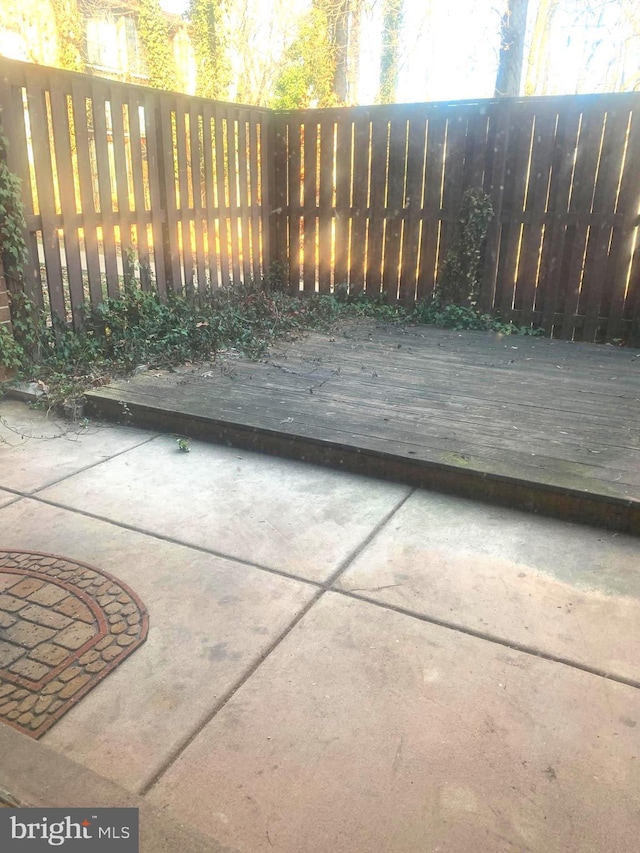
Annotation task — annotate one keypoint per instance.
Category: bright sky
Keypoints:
(451, 48)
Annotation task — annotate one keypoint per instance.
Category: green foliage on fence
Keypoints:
(460, 276)
(13, 252)
(12, 224)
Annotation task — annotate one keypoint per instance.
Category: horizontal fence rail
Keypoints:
(189, 195)
(369, 197)
(120, 179)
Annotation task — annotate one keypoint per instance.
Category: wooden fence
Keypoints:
(194, 194)
(124, 179)
(370, 197)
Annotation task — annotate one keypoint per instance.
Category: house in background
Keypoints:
(28, 31)
(111, 46)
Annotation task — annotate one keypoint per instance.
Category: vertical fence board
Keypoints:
(358, 238)
(64, 165)
(476, 149)
(121, 183)
(412, 204)
(592, 299)
(232, 171)
(254, 190)
(325, 219)
(244, 212)
(223, 205)
(274, 193)
(160, 230)
(498, 137)
(375, 240)
(43, 164)
(209, 186)
(580, 205)
(139, 212)
(185, 210)
(196, 156)
(107, 216)
(294, 158)
(452, 185)
(271, 197)
(516, 176)
(436, 130)
(309, 207)
(536, 200)
(394, 204)
(81, 96)
(559, 195)
(343, 199)
(624, 236)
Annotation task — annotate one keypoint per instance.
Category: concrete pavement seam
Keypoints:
(153, 535)
(329, 585)
(17, 497)
(346, 562)
(155, 777)
(491, 638)
(94, 464)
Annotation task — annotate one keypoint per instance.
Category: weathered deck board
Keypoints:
(549, 425)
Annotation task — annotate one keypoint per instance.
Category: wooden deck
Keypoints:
(550, 426)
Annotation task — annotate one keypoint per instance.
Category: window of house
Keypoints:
(135, 55)
(102, 43)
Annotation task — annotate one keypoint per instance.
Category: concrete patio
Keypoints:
(334, 663)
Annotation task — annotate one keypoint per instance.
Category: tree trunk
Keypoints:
(538, 60)
(341, 42)
(514, 26)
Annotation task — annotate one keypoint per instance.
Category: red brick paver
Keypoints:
(63, 627)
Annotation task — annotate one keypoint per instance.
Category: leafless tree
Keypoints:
(512, 36)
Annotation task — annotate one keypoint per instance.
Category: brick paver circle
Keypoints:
(64, 626)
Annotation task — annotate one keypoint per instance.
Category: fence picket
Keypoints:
(412, 203)
(343, 177)
(64, 166)
(309, 206)
(43, 164)
(253, 213)
(394, 208)
(209, 189)
(431, 220)
(137, 179)
(325, 218)
(587, 158)
(359, 213)
(162, 252)
(535, 207)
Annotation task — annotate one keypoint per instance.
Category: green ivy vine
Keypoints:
(459, 279)
(12, 224)
(13, 251)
